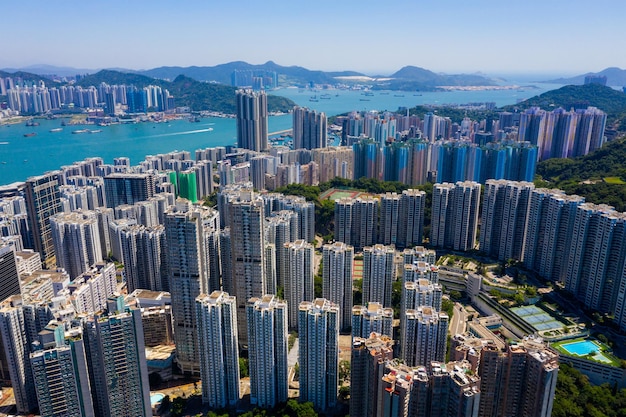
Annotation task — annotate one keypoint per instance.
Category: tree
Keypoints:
(344, 392)
(243, 368)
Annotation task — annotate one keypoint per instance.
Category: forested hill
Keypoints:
(600, 176)
(186, 91)
(607, 99)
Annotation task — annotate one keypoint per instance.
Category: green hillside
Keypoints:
(595, 176)
(186, 91)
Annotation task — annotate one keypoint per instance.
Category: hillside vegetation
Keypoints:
(186, 91)
(587, 175)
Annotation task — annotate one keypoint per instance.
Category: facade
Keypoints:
(125, 188)
(144, 258)
(76, 238)
(411, 218)
(9, 276)
(43, 201)
(187, 228)
(16, 346)
(309, 128)
(455, 209)
(299, 258)
(337, 265)
(318, 354)
(61, 380)
(389, 219)
(117, 364)
(424, 332)
(267, 350)
(372, 318)
(247, 242)
(219, 349)
(379, 272)
(252, 120)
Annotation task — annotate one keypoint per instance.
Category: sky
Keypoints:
(561, 37)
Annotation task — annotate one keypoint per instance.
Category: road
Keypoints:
(459, 320)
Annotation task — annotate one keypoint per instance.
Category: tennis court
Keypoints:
(537, 318)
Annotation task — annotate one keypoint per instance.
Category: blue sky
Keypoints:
(375, 37)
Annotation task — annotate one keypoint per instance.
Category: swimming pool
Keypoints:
(581, 348)
(156, 398)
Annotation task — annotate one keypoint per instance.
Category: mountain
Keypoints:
(186, 91)
(614, 76)
(52, 70)
(607, 99)
(27, 76)
(412, 78)
(222, 73)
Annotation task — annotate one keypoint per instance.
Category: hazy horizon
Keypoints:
(559, 38)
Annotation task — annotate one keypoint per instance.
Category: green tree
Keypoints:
(243, 368)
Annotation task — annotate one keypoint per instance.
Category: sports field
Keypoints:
(537, 318)
(336, 194)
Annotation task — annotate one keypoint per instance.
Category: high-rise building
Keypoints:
(504, 218)
(337, 265)
(372, 318)
(365, 215)
(267, 350)
(389, 219)
(299, 277)
(76, 238)
(43, 201)
(379, 272)
(219, 349)
(187, 228)
(424, 332)
(16, 345)
(282, 228)
(419, 288)
(126, 188)
(318, 354)
(519, 381)
(368, 357)
(343, 220)
(61, 379)
(252, 120)
(144, 258)
(309, 128)
(118, 369)
(247, 242)
(9, 276)
(411, 218)
(455, 215)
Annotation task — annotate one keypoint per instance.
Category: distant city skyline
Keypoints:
(487, 36)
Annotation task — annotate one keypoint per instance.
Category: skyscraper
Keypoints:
(318, 330)
(17, 349)
(372, 318)
(144, 258)
(309, 128)
(76, 238)
(61, 380)
(389, 219)
(267, 350)
(379, 273)
(187, 228)
(455, 215)
(125, 188)
(9, 276)
(299, 277)
(424, 332)
(118, 370)
(42, 202)
(337, 260)
(252, 120)
(247, 242)
(219, 349)
(411, 218)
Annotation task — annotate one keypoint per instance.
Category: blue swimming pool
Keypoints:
(581, 348)
(156, 398)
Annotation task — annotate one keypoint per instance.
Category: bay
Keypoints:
(24, 156)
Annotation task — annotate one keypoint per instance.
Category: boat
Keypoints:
(79, 131)
(398, 95)
(364, 99)
(28, 135)
(56, 129)
(325, 96)
(95, 131)
(4, 143)
(417, 95)
(194, 119)
(313, 100)
(32, 123)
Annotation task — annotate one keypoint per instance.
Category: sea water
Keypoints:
(23, 156)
